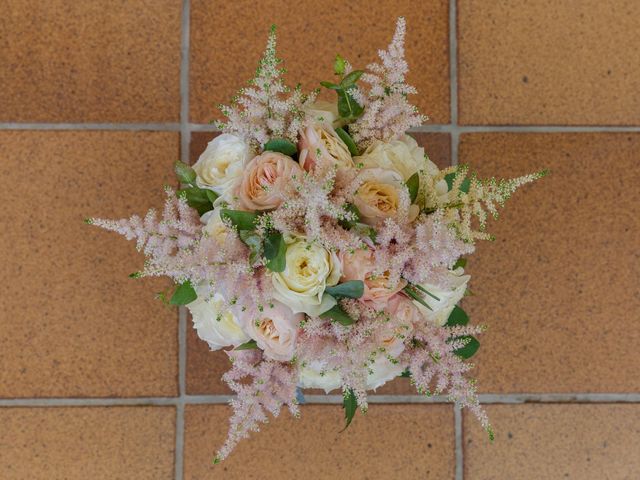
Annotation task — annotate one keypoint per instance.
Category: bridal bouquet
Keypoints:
(319, 244)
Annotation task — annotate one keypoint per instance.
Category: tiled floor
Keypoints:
(98, 380)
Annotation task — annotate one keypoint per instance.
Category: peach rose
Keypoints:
(377, 286)
(264, 179)
(320, 142)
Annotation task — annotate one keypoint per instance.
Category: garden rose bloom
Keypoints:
(214, 324)
(222, 163)
(448, 297)
(214, 226)
(379, 196)
(309, 270)
(382, 371)
(264, 179)
(322, 111)
(275, 331)
(403, 156)
(316, 375)
(320, 142)
(361, 265)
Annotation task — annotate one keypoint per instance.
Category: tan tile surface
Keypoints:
(71, 322)
(87, 443)
(228, 38)
(585, 442)
(98, 61)
(204, 368)
(399, 442)
(548, 62)
(558, 288)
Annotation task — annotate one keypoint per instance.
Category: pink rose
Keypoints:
(377, 286)
(264, 180)
(320, 142)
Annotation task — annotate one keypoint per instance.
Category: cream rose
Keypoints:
(319, 142)
(264, 179)
(214, 226)
(361, 265)
(324, 112)
(214, 324)
(316, 375)
(222, 163)
(309, 270)
(382, 371)
(275, 331)
(380, 194)
(448, 297)
(403, 156)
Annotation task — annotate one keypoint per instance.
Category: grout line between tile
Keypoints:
(185, 140)
(162, 127)
(453, 80)
(459, 458)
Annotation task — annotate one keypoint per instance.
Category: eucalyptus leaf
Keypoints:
(413, 184)
(331, 86)
(457, 317)
(254, 242)
(339, 315)
(350, 289)
(184, 294)
(469, 349)
(197, 198)
(239, 219)
(350, 405)
(351, 79)
(275, 251)
(250, 345)
(348, 141)
(281, 145)
(185, 173)
(464, 186)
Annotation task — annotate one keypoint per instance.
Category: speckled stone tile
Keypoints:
(204, 367)
(98, 61)
(72, 323)
(391, 441)
(226, 45)
(540, 441)
(80, 443)
(558, 288)
(546, 62)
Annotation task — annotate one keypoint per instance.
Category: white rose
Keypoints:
(403, 155)
(315, 375)
(325, 112)
(447, 297)
(309, 270)
(222, 163)
(215, 325)
(214, 226)
(383, 370)
(275, 331)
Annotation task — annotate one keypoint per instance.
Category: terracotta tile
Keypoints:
(223, 60)
(204, 367)
(82, 443)
(74, 324)
(548, 62)
(90, 61)
(558, 288)
(391, 441)
(535, 441)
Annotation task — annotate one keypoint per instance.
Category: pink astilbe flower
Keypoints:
(387, 114)
(262, 387)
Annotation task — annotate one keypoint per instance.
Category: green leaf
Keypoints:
(339, 315)
(239, 219)
(282, 145)
(350, 405)
(184, 294)
(348, 141)
(198, 198)
(413, 293)
(331, 86)
(339, 65)
(254, 242)
(350, 289)
(275, 251)
(461, 262)
(464, 186)
(185, 173)
(351, 79)
(348, 224)
(406, 374)
(413, 184)
(347, 106)
(211, 195)
(469, 349)
(457, 317)
(250, 345)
